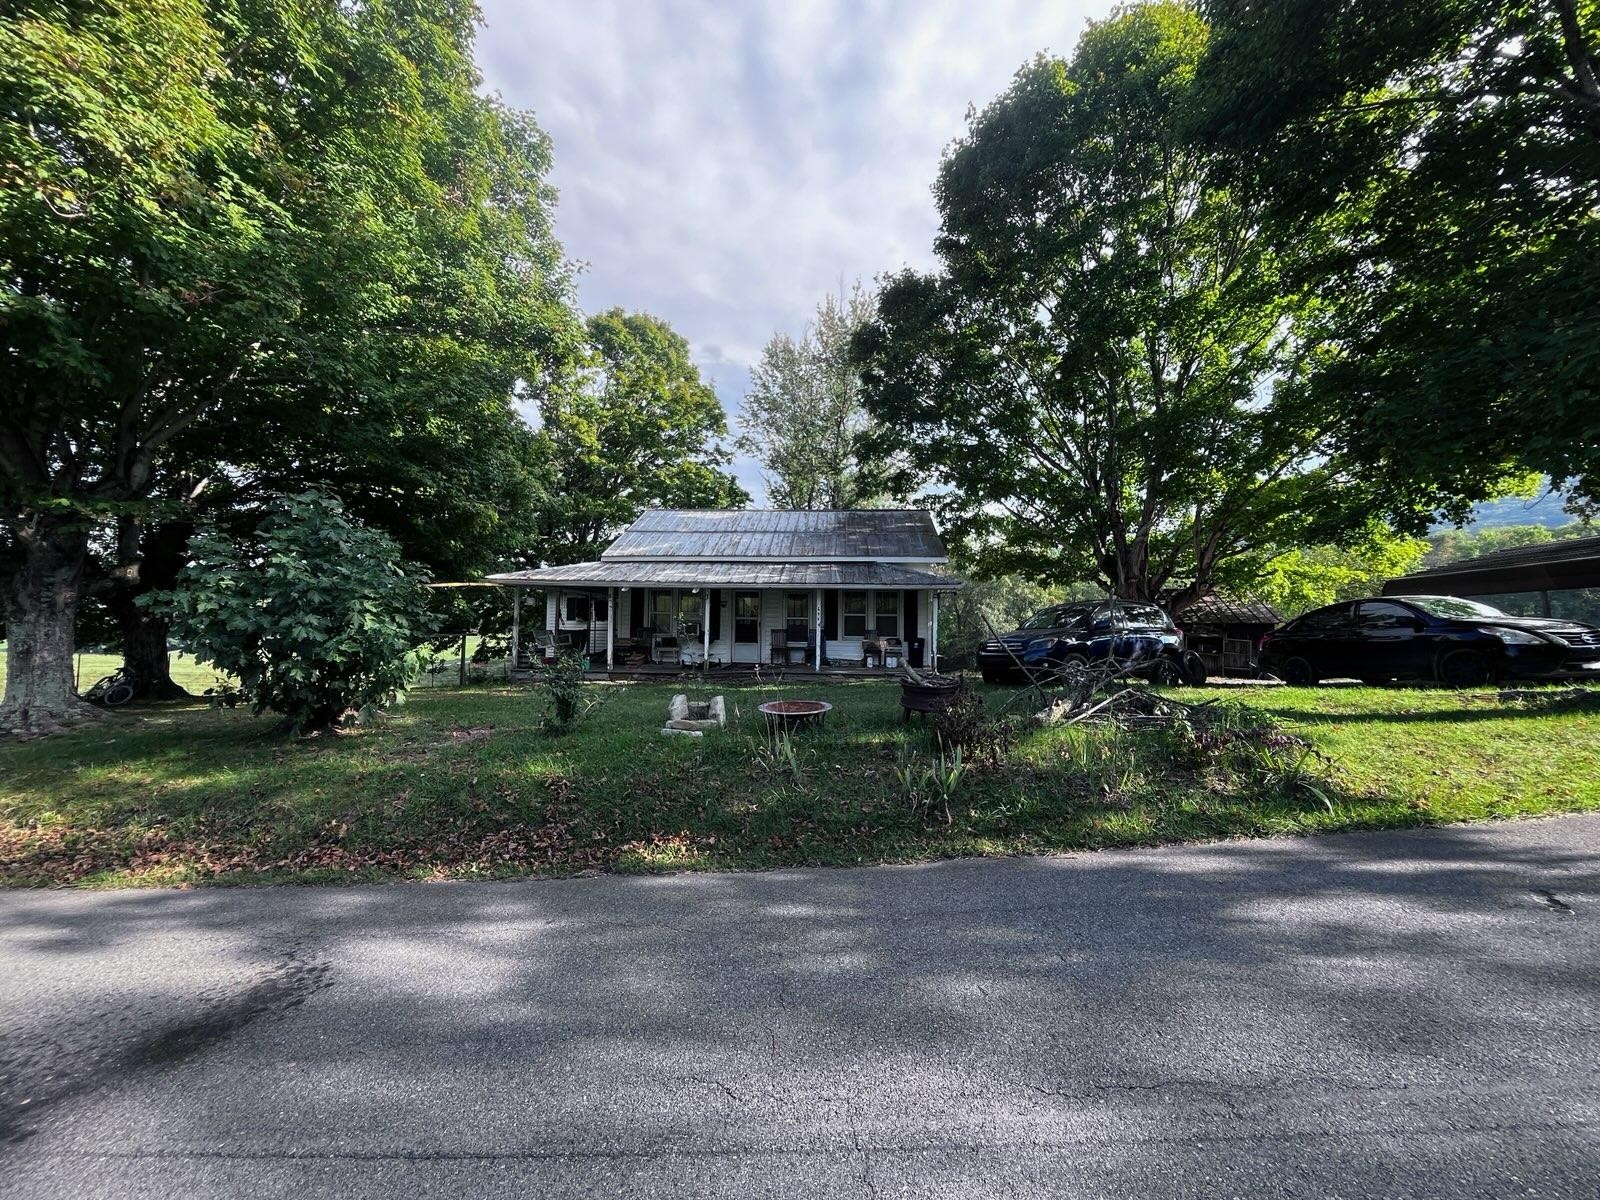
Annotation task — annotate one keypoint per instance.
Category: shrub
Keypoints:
(312, 613)
(563, 692)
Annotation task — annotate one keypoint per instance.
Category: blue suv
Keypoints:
(1064, 635)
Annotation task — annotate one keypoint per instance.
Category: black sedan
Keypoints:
(1457, 642)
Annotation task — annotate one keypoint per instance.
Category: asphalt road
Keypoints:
(1384, 1015)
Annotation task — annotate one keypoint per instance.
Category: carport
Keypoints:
(1540, 570)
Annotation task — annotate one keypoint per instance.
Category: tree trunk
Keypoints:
(41, 612)
(160, 557)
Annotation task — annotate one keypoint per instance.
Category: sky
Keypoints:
(726, 165)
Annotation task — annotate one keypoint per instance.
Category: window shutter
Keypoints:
(830, 614)
(908, 616)
(716, 614)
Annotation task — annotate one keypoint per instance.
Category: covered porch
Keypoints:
(730, 619)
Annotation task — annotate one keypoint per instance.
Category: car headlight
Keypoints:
(1514, 637)
(1041, 645)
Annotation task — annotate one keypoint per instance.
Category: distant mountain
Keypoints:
(1544, 509)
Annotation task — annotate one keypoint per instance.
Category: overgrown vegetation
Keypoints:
(467, 784)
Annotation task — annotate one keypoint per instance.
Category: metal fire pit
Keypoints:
(932, 693)
(787, 715)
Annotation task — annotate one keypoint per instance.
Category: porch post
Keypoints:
(705, 630)
(933, 631)
(816, 620)
(611, 630)
(516, 628)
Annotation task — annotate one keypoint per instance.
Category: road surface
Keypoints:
(1378, 1015)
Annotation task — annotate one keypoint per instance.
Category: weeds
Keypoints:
(927, 786)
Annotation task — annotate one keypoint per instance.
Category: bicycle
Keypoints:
(115, 690)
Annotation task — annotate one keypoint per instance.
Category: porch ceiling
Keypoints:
(689, 573)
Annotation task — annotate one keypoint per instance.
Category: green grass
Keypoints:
(462, 783)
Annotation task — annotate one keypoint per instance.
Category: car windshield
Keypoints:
(1054, 618)
(1452, 606)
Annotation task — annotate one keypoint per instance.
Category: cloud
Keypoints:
(725, 165)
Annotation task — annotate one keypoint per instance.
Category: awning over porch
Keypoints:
(690, 573)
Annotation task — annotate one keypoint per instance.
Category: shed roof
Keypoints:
(698, 573)
(820, 535)
(1229, 610)
(1549, 566)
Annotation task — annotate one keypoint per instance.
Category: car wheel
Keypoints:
(1166, 672)
(1465, 668)
(990, 675)
(1298, 672)
(1070, 666)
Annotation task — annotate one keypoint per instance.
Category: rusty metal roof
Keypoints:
(883, 535)
(695, 573)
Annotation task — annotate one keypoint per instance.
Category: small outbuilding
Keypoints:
(847, 590)
(1226, 632)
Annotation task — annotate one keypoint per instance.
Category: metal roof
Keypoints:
(1549, 566)
(692, 573)
(1228, 610)
(884, 535)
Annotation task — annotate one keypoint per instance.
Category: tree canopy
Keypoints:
(641, 427)
(803, 419)
(1103, 380)
(250, 242)
(1450, 151)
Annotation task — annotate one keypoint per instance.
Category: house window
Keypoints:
(853, 608)
(578, 609)
(689, 611)
(797, 615)
(661, 613)
(887, 611)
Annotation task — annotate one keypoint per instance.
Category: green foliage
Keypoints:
(803, 420)
(1309, 577)
(313, 614)
(562, 692)
(254, 245)
(1449, 150)
(1102, 382)
(640, 428)
(928, 786)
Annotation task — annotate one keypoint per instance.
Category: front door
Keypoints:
(747, 627)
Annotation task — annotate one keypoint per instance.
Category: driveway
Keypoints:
(1384, 1015)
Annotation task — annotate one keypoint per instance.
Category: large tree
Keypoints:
(803, 419)
(639, 428)
(1102, 381)
(242, 241)
(1450, 150)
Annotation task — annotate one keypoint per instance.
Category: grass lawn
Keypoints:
(462, 783)
(186, 672)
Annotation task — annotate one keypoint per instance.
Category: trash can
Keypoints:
(915, 649)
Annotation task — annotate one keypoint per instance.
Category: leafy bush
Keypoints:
(563, 692)
(312, 613)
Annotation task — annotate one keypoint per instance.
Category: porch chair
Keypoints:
(778, 648)
(871, 648)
